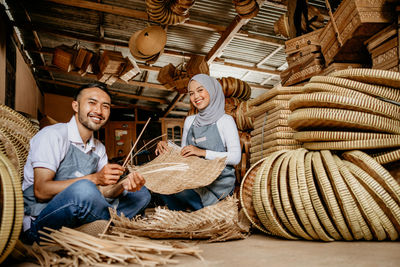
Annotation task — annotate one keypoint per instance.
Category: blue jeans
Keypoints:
(187, 199)
(82, 203)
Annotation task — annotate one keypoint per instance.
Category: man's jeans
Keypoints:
(82, 203)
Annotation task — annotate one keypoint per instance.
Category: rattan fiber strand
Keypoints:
(331, 118)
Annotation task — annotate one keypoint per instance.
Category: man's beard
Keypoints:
(85, 121)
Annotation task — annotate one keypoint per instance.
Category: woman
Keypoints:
(210, 134)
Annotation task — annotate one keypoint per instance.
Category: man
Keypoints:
(66, 166)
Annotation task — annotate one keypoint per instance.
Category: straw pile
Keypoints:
(271, 131)
(349, 109)
(219, 222)
(320, 196)
(68, 247)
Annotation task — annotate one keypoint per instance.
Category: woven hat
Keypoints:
(18, 211)
(246, 196)
(370, 89)
(372, 76)
(361, 102)
(171, 173)
(329, 196)
(366, 203)
(315, 198)
(151, 40)
(384, 200)
(340, 118)
(318, 136)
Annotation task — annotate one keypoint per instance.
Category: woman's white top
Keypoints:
(230, 138)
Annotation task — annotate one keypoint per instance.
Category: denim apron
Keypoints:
(208, 138)
(76, 163)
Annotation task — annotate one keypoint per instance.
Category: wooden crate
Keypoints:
(111, 62)
(63, 57)
(356, 21)
(197, 64)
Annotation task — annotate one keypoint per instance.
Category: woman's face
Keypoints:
(199, 96)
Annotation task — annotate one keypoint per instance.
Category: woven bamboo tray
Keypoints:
(339, 118)
(276, 142)
(270, 126)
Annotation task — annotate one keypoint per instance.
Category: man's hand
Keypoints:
(109, 174)
(162, 147)
(133, 182)
(192, 151)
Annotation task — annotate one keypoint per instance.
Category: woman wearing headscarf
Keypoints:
(209, 134)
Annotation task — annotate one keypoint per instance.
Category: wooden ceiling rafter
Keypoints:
(173, 103)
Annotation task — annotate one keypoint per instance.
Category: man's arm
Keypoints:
(46, 188)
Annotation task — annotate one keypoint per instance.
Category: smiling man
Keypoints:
(66, 166)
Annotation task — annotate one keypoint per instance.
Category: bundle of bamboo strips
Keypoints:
(70, 248)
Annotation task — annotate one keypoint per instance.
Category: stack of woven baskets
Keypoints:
(271, 131)
(15, 133)
(169, 12)
(350, 109)
(320, 196)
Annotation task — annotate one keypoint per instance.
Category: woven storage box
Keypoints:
(297, 44)
(356, 20)
(63, 57)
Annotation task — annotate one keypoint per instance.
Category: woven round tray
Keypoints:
(329, 196)
(275, 186)
(317, 136)
(374, 90)
(372, 76)
(354, 144)
(379, 173)
(262, 119)
(19, 207)
(346, 201)
(364, 202)
(387, 157)
(246, 196)
(339, 118)
(270, 150)
(331, 100)
(294, 168)
(262, 195)
(7, 205)
(255, 111)
(315, 198)
(385, 202)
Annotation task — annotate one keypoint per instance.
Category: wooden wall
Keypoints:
(58, 107)
(2, 59)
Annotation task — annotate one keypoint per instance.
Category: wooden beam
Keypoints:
(94, 77)
(171, 106)
(178, 113)
(269, 56)
(112, 91)
(250, 68)
(225, 38)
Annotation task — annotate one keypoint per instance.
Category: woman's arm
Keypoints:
(229, 133)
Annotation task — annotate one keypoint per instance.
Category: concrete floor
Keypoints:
(260, 250)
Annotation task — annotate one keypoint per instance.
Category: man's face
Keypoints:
(93, 108)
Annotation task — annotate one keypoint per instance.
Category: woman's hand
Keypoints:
(192, 151)
(162, 147)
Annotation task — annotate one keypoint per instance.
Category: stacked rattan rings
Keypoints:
(350, 109)
(301, 194)
(12, 206)
(169, 12)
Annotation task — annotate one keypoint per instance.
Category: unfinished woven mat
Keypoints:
(370, 89)
(340, 118)
(218, 222)
(372, 76)
(171, 173)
